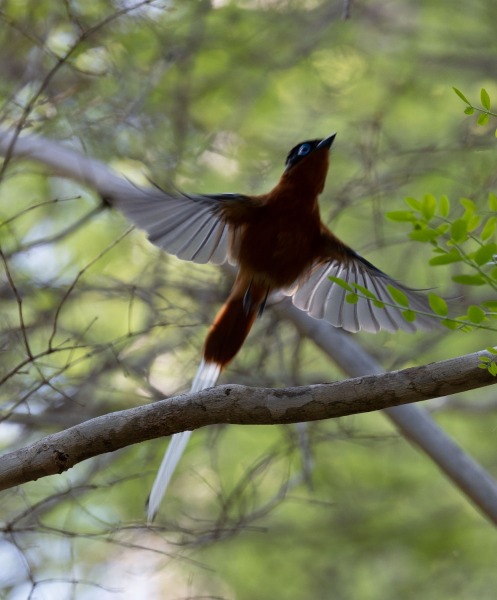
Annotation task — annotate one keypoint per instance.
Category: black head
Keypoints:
(300, 151)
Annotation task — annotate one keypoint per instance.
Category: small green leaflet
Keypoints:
(343, 284)
(476, 314)
(438, 305)
(469, 279)
(485, 98)
(444, 206)
(461, 95)
(398, 297)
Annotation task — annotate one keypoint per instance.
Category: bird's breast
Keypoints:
(279, 247)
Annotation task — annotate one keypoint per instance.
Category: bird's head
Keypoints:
(307, 163)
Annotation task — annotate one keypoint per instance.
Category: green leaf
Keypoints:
(484, 359)
(438, 305)
(450, 324)
(343, 284)
(469, 110)
(492, 201)
(476, 314)
(352, 298)
(429, 206)
(492, 369)
(469, 279)
(489, 228)
(492, 306)
(461, 95)
(491, 349)
(485, 98)
(409, 315)
(473, 222)
(444, 206)
(364, 291)
(482, 119)
(398, 297)
(468, 204)
(485, 253)
(401, 215)
(427, 234)
(458, 230)
(413, 203)
(447, 258)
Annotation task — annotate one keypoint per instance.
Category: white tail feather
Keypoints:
(206, 377)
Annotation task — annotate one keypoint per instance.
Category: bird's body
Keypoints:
(278, 243)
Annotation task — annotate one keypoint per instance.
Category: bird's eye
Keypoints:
(304, 149)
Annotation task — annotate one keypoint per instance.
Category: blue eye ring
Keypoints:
(304, 150)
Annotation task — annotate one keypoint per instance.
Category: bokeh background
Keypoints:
(209, 96)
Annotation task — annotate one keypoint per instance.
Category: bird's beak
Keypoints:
(327, 142)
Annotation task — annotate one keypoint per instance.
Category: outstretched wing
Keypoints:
(325, 299)
(196, 228)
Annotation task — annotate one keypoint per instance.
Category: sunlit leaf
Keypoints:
(458, 230)
(398, 296)
(427, 234)
(444, 206)
(461, 95)
(409, 315)
(352, 298)
(492, 369)
(343, 284)
(438, 305)
(364, 291)
(413, 203)
(492, 201)
(482, 119)
(485, 98)
(492, 306)
(485, 253)
(469, 279)
(489, 228)
(468, 204)
(429, 206)
(401, 215)
(450, 257)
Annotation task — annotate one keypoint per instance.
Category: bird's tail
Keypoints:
(228, 332)
(206, 377)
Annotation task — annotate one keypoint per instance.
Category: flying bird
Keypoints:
(278, 243)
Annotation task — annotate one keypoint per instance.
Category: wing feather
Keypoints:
(190, 227)
(324, 299)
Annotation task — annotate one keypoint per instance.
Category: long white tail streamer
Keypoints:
(206, 377)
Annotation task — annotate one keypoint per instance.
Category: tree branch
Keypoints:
(240, 405)
(413, 422)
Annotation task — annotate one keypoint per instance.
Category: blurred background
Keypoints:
(209, 96)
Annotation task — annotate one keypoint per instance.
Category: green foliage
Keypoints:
(484, 110)
(457, 233)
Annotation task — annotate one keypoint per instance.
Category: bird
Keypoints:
(278, 243)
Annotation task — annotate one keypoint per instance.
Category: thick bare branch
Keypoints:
(241, 405)
(413, 422)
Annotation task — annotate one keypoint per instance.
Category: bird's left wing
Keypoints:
(374, 308)
(191, 227)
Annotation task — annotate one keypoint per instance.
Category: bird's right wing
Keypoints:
(191, 227)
